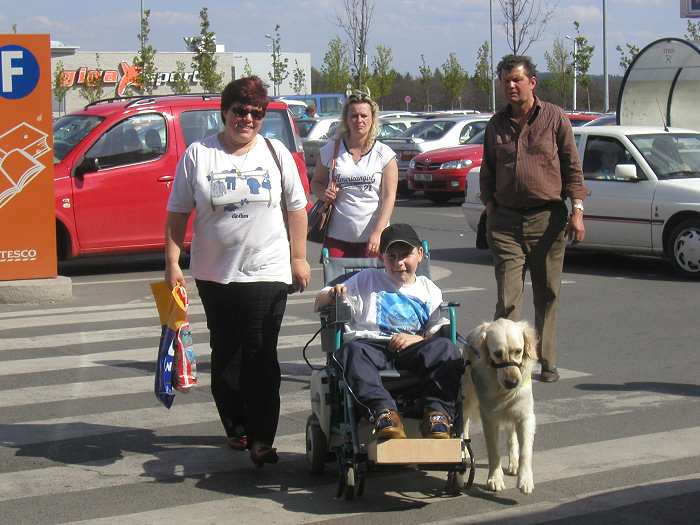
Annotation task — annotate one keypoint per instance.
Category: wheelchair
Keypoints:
(335, 431)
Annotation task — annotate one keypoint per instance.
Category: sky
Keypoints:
(433, 28)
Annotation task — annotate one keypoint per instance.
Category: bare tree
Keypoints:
(355, 20)
(525, 21)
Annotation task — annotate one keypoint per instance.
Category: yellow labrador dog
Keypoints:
(498, 387)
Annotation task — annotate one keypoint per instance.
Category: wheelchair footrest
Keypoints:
(415, 451)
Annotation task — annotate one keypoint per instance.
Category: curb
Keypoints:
(36, 291)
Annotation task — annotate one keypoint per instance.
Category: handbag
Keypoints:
(320, 213)
(482, 242)
(176, 368)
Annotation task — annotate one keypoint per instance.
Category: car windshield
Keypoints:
(68, 131)
(671, 155)
(428, 130)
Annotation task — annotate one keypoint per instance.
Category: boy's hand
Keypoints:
(400, 342)
(339, 290)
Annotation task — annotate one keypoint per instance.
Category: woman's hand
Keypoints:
(373, 244)
(174, 276)
(330, 193)
(301, 274)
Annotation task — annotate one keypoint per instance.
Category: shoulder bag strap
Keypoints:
(283, 203)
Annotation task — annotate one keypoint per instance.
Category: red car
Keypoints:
(442, 173)
(114, 163)
(579, 119)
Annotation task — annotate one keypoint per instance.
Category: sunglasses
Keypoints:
(242, 112)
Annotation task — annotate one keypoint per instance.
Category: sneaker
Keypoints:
(387, 425)
(435, 425)
(549, 375)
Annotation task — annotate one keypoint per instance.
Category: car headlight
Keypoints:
(411, 164)
(458, 164)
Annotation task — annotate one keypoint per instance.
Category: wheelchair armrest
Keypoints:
(336, 313)
(449, 304)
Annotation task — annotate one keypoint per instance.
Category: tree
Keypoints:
(560, 69)
(482, 71)
(582, 62)
(299, 84)
(92, 89)
(355, 20)
(425, 80)
(625, 59)
(204, 60)
(335, 69)
(180, 84)
(693, 31)
(279, 66)
(247, 70)
(145, 61)
(59, 88)
(383, 74)
(453, 77)
(525, 21)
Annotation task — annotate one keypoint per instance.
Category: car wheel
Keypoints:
(403, 189)
(438, 197)
(684, 249)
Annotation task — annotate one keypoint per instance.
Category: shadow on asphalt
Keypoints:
(675, 389)
(116, 265)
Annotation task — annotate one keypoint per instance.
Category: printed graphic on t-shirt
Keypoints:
(235, 189)
(364, 182)
(399, 313)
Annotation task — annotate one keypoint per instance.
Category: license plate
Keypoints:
(424, 177)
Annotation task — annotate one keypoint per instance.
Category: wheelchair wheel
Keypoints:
(349, 483)
(316, 446)
(455, 482)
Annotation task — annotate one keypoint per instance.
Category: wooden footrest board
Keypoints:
(415, 451)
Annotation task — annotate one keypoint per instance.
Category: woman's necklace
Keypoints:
(228, 149)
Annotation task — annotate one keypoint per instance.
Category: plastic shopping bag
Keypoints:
(176, 367)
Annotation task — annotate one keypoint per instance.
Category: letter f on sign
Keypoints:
(8, 71)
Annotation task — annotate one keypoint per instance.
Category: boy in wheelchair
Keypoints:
(395, 324)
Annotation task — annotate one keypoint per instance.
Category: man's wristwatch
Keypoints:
(578, 206)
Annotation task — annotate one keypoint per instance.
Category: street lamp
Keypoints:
(575, 68)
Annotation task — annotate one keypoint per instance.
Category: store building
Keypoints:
(118, 73)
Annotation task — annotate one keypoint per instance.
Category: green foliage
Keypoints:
(92, 89)
(336, 69)
(582, 62)
(453, 77)
(204, 60)
(180, 84)
(693, 30)
(145, 61)
(560, 69)
(482, 71)
(625, 58)
(59, 90)
(279, 66)
(247, 70)
(383, 75)
(299, 84)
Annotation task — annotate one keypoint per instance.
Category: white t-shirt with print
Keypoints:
(356, 209)
(239, 231)
(381, 307)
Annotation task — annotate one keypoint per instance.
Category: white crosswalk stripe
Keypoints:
(42, 454)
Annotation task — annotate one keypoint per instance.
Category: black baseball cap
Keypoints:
(398, 233)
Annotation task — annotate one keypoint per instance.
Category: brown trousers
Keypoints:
(532, 238)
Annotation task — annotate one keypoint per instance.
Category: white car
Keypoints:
(643, 193)
(432, 134)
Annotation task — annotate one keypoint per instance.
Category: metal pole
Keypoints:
(141, 28)
(606, 90)
(493, 80)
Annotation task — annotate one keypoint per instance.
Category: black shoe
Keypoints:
(549, 375)
(262, 455)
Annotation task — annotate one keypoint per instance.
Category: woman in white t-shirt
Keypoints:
(364, 189)
(241, 259)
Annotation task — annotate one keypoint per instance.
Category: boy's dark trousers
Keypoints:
(437, 360)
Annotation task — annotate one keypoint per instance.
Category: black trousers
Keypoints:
(244, 321)
(437, 360)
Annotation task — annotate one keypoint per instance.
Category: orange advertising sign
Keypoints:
(27, 220)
